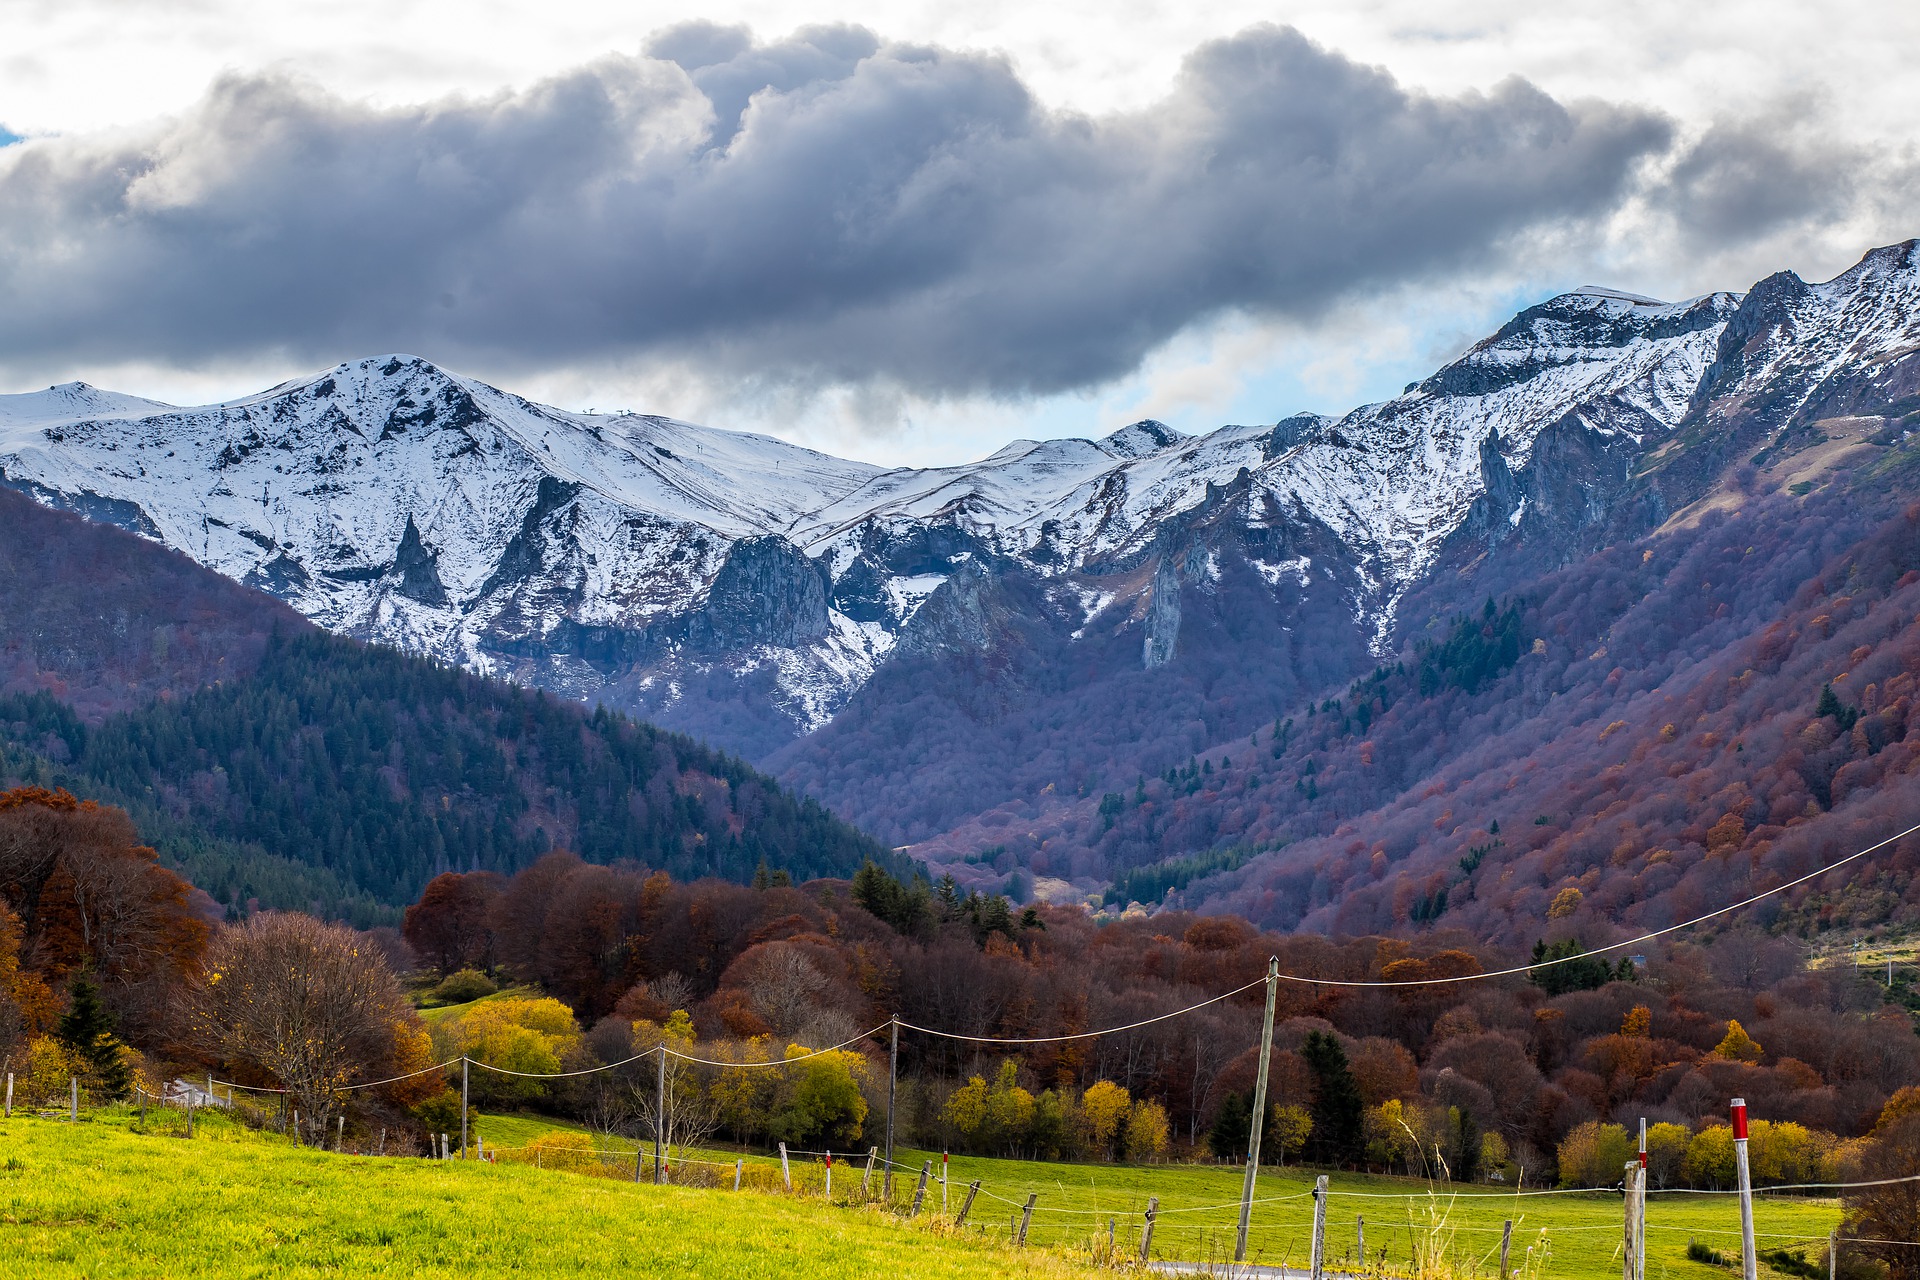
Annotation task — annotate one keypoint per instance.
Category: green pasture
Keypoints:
(107, 1199)
(113, 1197)
(1199, 1209)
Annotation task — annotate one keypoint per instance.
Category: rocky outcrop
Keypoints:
(767, 593)
(416, 570)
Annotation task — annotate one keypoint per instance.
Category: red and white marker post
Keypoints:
(1744, 1175)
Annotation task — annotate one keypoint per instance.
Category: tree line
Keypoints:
(341, 778)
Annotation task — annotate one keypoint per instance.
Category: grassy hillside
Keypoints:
(100, 1200)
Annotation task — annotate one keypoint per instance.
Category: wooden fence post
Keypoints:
(1833, 1255)
(786, 1174)
(189, 1114)
(381, 1150)
(74, 1114)
(738, 1167)
(340, 1133)
(966, 1206)
(920, 1192)
(463, 1106)
(867, 1177)
(1626, 1233)
(1026, 1217)
(944, 1157)
(1360, 1239)
(1319, 1263)
(829, 1175)
(10, 1098)
(1146, 1230)
(1506, 1245)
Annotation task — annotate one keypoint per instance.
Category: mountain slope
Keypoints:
(274, 763)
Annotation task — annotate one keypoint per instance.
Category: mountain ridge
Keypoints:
(928, 649)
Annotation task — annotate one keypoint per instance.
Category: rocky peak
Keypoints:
(1141, 438)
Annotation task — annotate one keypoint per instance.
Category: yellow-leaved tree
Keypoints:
(1288, 1129)
(1147, 1129)
(1667, 1153)
(1709, 1162)
(1103, 1110)
(516, 1035)
(1594, 1155)
(742, 1098)
(1737, 1045)
(1391, 1140)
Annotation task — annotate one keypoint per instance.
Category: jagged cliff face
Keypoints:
(749, 589)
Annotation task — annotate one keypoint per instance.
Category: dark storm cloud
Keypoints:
(827, 208)
(1743, 179)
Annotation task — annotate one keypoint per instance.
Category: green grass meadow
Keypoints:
(101, 1199)
(110, 1197)
(1199, 1210)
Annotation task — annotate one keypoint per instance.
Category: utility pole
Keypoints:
(659, 1111)
(893, 1076)
(1259, 1111)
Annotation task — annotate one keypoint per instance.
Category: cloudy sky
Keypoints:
(911, 231)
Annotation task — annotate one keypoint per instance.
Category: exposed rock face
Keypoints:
(1162, 628)
(766, 593)
(417, 570)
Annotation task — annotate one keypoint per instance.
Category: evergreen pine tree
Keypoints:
(1338, 1109)
(87, 1029)
(1463, 1137)
(1232, 1129)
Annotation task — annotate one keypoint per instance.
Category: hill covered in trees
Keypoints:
(1526, 1075)
(278, 766)
(1646, 732)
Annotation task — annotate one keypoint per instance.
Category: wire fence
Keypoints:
(1396, 1229)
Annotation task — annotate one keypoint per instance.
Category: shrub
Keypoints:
(50, 1069)
(440, 1113)
(1697, 1252)
(466, 985)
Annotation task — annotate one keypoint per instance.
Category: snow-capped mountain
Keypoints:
(747, 588)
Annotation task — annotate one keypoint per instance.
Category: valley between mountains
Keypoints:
(1607, 621)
